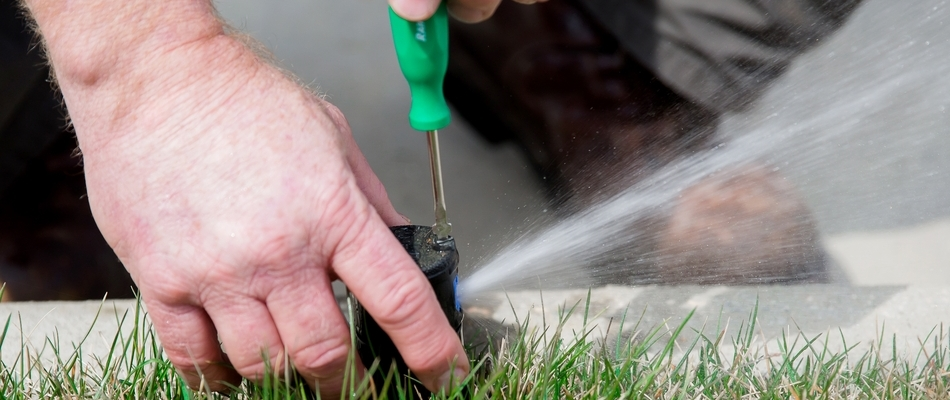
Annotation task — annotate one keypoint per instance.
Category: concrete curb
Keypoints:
(905, 315)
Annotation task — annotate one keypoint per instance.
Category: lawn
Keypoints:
(532, 364)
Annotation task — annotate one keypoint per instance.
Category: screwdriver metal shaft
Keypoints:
(442, 227)
(422, 48)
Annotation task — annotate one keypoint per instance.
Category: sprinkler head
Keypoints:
(438, 259)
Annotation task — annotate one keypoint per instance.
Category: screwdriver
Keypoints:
(422, 49)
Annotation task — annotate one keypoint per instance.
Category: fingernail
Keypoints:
(412, 10)
(452, 378)
(408, 222)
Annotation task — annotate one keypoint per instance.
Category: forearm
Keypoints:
(111, 58)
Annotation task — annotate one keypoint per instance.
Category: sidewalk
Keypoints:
(906, 314)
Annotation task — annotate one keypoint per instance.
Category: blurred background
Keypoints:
(861, 118)
(876, 172)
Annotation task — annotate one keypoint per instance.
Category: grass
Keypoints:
(534, 364)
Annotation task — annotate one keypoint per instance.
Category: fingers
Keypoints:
(469, 11)
(415, 10)
(315, 334)
(391, 287)
(472, 11)
(191, 343)
(370, 185)
(248, 334)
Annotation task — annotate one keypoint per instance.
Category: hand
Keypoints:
(470, 11)
(234, 198)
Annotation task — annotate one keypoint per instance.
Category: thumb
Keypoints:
(414, 10)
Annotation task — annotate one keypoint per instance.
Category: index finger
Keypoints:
(377, 269)
(469, 11)
(415, 10)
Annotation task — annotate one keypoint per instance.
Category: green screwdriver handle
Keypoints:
(423, 52)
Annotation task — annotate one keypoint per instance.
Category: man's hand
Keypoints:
(470, 11)
(233, 197)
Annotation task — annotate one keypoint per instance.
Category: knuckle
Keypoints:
(216, 273)
(336, 117)
(255, 365)
(405, 300)
(353, 224)
(192, 365)
(324, 358)
(338, 202)
(183, 362)
(166, 291)
(280, 255)
(253, 368)
(374, 188)
(347, 204)
(219, 284)
(434, 355)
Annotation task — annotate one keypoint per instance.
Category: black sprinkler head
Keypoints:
(438, 260)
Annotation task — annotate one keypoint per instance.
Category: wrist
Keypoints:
(128, 76)
(95, 41)
(148, 99)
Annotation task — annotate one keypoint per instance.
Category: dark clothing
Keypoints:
(722, 54)
(30, 114)
(50, 247)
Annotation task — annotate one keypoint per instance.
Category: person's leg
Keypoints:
(719, 53)
(585, 111)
